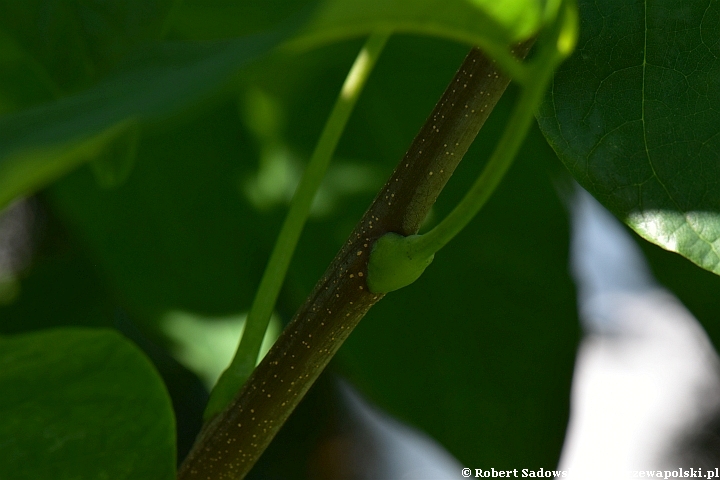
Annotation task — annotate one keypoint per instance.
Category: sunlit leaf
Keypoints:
(635, 116)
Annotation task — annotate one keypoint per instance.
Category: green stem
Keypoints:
(263, 304)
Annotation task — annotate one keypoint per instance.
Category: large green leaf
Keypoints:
(469, 21)
(63, 288)
(40, 144)
(23, 81)
(81, 403)
(635, 116)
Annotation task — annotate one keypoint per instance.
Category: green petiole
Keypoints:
(398, 261)
(499, 163)
(264, 302)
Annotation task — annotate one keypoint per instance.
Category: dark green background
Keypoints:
(478, 353)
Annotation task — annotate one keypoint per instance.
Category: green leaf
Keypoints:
(23, 81)
(74, 43)
(40, 144)
(81, 403)
(113, 166)
(178, 234)
(468, 21)
(634, 115)
(214, 19)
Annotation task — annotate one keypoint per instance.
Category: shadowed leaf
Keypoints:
(635, 116)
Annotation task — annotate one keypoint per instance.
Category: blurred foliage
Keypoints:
(192, 170)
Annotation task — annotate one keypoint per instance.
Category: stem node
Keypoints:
(393, 263)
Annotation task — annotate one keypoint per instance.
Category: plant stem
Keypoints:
(502, 158)
(231, 442)
(560, 43)
(264, 302)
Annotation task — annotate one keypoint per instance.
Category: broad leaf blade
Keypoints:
(40, 144)
(635, 116)
(80, 403)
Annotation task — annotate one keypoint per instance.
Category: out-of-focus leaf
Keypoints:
(214, 19)
(23, 81)
(81, 403)
(207, 345)
(72, 43)
(181, 233)
(178, 234)
(635, 116)
(40, 144)
(62, 289)
(113, 166)
(468, 21)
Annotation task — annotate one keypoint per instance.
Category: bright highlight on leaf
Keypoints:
(567, 39)
(521, 18)
(635, 117)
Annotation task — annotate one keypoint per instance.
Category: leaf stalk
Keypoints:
(263, 304)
